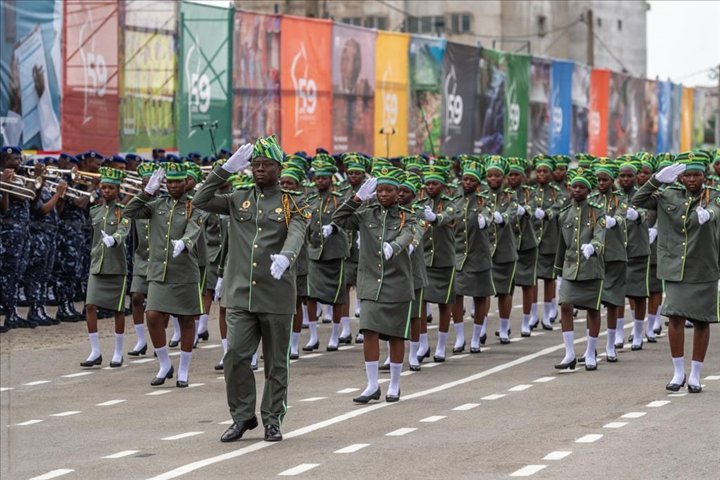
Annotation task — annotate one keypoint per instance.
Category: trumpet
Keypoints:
(58, 172)
(73, 193)
(15, 189)
(129, 189)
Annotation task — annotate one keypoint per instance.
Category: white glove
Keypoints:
(327, 230)
(367, 189)
(610, 222)
(670, 173)
(107, 239)
(218, 289)
(429, 214)
(539, 213)
(703, 215)
(498, 218)
(387, 251)
(178, 247)
(520, 211)
(411, 249)
(632, 214)
(587, 250)
(280, 263)
(357, 242)
(652, 234)
(239, 160)
(155, 181)
(481, 221)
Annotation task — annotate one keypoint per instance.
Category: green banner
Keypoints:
(516, 105)
(205, 96)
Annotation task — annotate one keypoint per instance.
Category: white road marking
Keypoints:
(182, 435)
(458, 357)
(432, 327)
(311, 355)
(528, 470)
(124, 453)
(589, 438)
(302, 468)
(430, 364)
(466, 406)
(383, 380)
(433, 419)
(227, 422)
(517, 306)
(346, 347)
(53, 474)
(143, 360)
(37, 382)
(400, 432)
(222, 377)
(110, 403)
(557, 455)
(516, 339)
(79, 374)
(348, 390)
(406, 373)
(5, 389)
(544, 379)
(195, 385)
(615, 425)
(29, 422)
(494, 396)
(66, 414)
(212, 345)
(313, 399)
(634, 415)
(658, 403)
(158, 392)
(679, 394)
(519, 388)
(352, 448)
(174, 354)
(712, 377)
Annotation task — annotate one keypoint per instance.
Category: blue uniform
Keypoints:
(41, 250)
(13, 236)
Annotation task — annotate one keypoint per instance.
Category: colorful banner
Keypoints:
(255, 77)
(561, 74)
(391, 94)
(490, 122)
(618, 142)
(539, 133)
(664, 117)
(686, 119)
(676, 106)
(705, 104)
(353, 75)
(426, 78)
(460, 68)
(205, 96)
(599, 112)
(580, 108)
(634, 102)
(306, 83)
(517, 97)
(649, 130)
(148, 75)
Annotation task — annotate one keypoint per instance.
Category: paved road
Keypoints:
(505, 412)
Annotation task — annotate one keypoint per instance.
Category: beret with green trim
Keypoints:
(496, 162)
(353, 161)
(146, 169)
(435, 173)
(630, 161)
(586, 176)
(542, 160)
(293, 171)
(663, 160)
(324, 165)
(111, 175)
(443, 161)
(561, 160)
(174, 170)
(413, 162)
(585, 160)
(516, 164)
(605, 165)
(389, 176)
(194, 171)
(473, 168)
(695, 160)
(412, 181)
(268, 147)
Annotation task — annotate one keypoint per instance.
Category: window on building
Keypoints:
(619, 24)
(542, 25)
(460, 22)
(352, 20)
(412, 25)
(599, 22)
(376, 22)
(426, 24)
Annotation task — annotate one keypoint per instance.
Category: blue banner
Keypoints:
(664, 116)
(561, 74)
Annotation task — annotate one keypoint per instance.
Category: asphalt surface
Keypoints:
(504, 412)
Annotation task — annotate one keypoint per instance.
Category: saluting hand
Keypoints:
(240, 160)
(155, 181)
(367, 189)
(178, 247)
(280, 263)
(670, 173)
(108, 240)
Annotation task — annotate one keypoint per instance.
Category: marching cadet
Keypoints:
(173, 274)
(503, 245)
(194, 177)
(327, 250)
(438, 213)
(688, 254)
(473, 267)
(385, 274)
(527, 243)
(108, 269)
(548, 199)
(559, 174)
(268, 224)
(614, 253)
(580, 259)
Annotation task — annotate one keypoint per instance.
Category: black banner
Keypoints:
(460, 69)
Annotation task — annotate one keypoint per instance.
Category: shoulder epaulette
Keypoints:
(555, 187)
(120, 205)
(596, 205)
(566, 207)
(291, 192)
(338, 194)
(244, 187)
(405, 209)
(312, 196)
(95, 206)
(508, 190)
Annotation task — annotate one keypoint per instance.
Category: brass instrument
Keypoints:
(73, 193)
(15, 189)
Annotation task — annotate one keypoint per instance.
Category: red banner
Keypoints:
(599, 104)
(306, 84)
(90, 93)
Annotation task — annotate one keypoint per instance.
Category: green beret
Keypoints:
(543, 161)
(324, 165)
(110, 175)
(561, 160)
(496, 162)
(389, 176)
(146, 169)
(293, 171)
(435, 173)
(586, 176)
(194, 171)
(694, 160)
(268, 147)
(516, 164)
(585, 160)
(174, 170)
(412, 181)
(354, 162)
(663, 160)
(473, 168)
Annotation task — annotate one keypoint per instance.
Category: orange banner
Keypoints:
(306, 84)
(598, 115)
(391, 94)
(686, 118)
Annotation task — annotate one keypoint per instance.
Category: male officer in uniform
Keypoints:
(267, 225)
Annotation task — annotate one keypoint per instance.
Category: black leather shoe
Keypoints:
(3, 329)
(590, 368)
(294, 356)
(64, 314)
(658, 330)
(611, 358)
(429, 319)
(237, 429)
(331, 348)
(326, 320)
(422, 357)
(204, 336)
(525, 334)
(385, 367)
(367, 398)
(651, 339)
(310, 348)
(182, 384)
(44, 314)
(567, 366)
(219, 367)
(73, 311)
(136, 353)
(92, 363)
(635, 348)
(459, 349)
(438, 359)
(474, 349)
(483, 339)
(546, 327)
(195, 343)
(272, 433)
(675, 387)
(694, 388)
(173, 343)
(160, 380)
(359, 338)
(346, 340)
(533, 326)
(619, 345)
(392, 398)
(504, 341)
(415, 368)
(253, 366)
(553, 318)
(13, 320)
(117, 364)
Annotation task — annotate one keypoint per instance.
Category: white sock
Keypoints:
(359, 338)
(305, 315)
(197, 326)
(371, 371)
(638, 332)
(184, 368)
(357, 304)
(94, 345)
(650, 326)
(632, 314)
(424, 345)
(253, 362)
(224, 347)
(203, 323)
(334, 335)
(620, 330)
(679, 370)
(525, 327)
(483, 327)
(395, 371)
(569, 341)
(319, 311)
(533, 313)
(658, 319)
(140, 333)
(294, 343)
(610, 347)
(164, 361)
(413, 354)
(118, 353)
(547, 313)
(459, 334)
(590, 352)
(328, 312)
(504, 327)
(472, 310)
(313, 333)
(345, 321)
(695, 370)
(440, 348)
(477, 333)
(428, 311)
(176, 328)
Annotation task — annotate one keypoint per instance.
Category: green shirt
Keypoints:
(525, 234)
(140, 231)
(638, 243)
(503, 244)
(615, 238)
(551, 200)
(104, 260)
(581, 223)
(472, 245)
(322, 206)
(439, 238)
